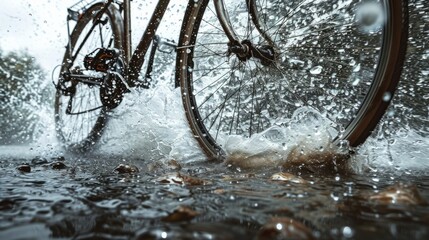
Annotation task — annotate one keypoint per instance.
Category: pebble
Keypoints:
(181, 179)
(324, 163)
(24, 168)
(125, 168)
(399, 193)
(284, 228)
(287, 177)
(174, 165)
(58, 165)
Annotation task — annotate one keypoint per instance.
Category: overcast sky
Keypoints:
(40, 26)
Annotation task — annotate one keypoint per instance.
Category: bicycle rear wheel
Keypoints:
(341, 58)
(80, 116)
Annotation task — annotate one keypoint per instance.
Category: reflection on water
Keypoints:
(88, 198)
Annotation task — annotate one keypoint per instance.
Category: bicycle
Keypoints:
(242, 66)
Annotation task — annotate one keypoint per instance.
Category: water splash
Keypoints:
(370, 17)
(307, 131)
(151, 125)
(403, 152)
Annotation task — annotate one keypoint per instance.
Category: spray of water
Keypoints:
(150, 125)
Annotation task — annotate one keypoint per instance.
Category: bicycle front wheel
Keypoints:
(80, 116)
(340, 58)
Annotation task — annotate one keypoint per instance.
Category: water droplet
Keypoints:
(316, 70)
(334, 92)
(356, 68)
(387, 96)
(347, 232)
(335, 197)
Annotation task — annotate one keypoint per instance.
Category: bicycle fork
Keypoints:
(245, 48)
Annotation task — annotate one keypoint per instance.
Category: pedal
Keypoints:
(164, 45)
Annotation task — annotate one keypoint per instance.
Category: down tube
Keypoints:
(137, 59)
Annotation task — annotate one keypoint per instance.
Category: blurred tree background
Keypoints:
(24, 95)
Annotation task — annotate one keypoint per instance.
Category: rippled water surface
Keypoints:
(88, 197)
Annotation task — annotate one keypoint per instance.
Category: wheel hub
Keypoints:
(246, 50)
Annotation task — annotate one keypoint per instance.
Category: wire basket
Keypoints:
(75, 11)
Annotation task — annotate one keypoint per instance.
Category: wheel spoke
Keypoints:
(84, 124)
(327, 56)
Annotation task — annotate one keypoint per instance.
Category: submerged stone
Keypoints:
(181, 179)
(58, 165)
(287, 177)
(125, 168)
(284, 228)
(24, 168)
(399, 193)
(325, 162)
(174, 165)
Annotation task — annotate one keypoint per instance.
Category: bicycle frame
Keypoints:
(132, 63)
(135, 60)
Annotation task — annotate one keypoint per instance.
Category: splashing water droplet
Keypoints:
(356, 82)
(370, 17)
(316, 70)
(356, 68)
(387, 96)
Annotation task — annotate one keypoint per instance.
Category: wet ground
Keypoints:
(95, 197)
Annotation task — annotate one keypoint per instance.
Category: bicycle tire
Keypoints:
(370, 83)
(82, 129)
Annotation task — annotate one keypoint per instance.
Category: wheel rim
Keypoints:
(83, 127)
(327, 58)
